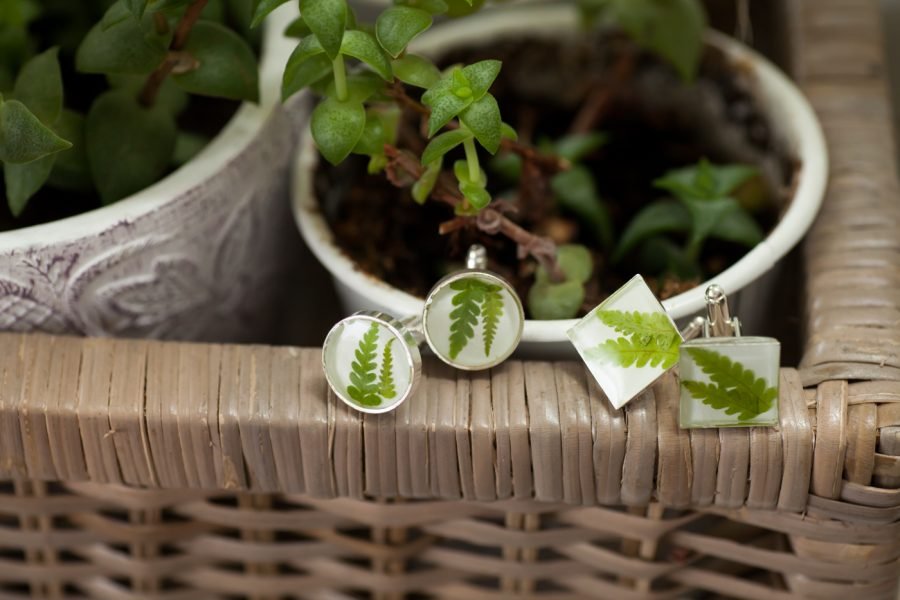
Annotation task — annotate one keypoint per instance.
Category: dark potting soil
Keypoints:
(654, 123)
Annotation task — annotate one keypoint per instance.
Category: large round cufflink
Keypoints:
(372, 361)
(473, 319)
(727, 380)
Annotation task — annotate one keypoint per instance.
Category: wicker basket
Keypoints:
(152, 470)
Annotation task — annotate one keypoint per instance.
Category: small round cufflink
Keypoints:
(473, 320)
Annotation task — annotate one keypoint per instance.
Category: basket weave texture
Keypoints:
(136, 469)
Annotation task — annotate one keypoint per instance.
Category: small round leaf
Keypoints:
(226, 64)
(362, 46)
(398, 26)
(336, 128)
(443, 144)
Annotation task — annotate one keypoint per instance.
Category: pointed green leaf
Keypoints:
(136, 7)
(656, 218)
(386, 386)
(629, 353)
(23, 138)
(491, 313)
(365, 389)
(444, 107)
(707, 214)
(482, 117)
(444, 143)
(507, 132)
(434, 7)
(577, 146)
(327, 19)
(422, 188)
(415, 70)
(739, 227)
(649, 339)
(262, 9)
(24, 180)
(398, 26)
(466, 311)
(659, 255)
(170, 96)
(39, 86)
(306, 66)
(477, 196)
(297, 29)
(576, 192)
(636, 322)
(337, 127)
(226, 64)
(128, 46)
(363, 46)
(481, 75)
(129, 146)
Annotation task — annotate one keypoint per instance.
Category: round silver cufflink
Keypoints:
(473, 319)
(372, 361)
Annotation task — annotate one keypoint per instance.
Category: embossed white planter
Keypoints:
(747, 281)
(191, 257)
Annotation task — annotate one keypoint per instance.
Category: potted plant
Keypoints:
(619, 139)
(144, 152)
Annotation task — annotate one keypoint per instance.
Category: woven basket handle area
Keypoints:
(226, 417)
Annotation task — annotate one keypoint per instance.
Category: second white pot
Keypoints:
(790, 117)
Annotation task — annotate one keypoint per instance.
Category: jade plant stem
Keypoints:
(340, 78)
(154, 82)
(472, 160)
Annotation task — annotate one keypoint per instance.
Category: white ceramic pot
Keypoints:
(191, 257)
(791, 118)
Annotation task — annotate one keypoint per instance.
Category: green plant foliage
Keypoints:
(457, 91)
(482, 118)
(39, 86)
(327, 20)
(122, 44)
(444, 143)
(23, 138)
(365, 388)
(226, 66)
(128, 146)
(398, 26)
(576, 192)
(648, 339)
(71, 170)
(416, 71)
(386, 386)
(735, 389)
(665, 216)
(422, 188)
(262, 9)
(303, 71)
(337, 127)
(363, 46)
(548, 300)
(474, 301)
(673, 29)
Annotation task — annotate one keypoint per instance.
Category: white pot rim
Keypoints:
(797, 124)
(229, 143)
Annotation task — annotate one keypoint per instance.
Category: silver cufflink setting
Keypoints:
(473, 320)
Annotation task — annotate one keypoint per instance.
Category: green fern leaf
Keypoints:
(464, 318)
(491, 312)
(734, 388)
(637, 323)
(629, 352)
(362, 375)
(386, 386)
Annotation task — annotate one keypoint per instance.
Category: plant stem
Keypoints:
(154, 82)
(340, 77)
(472, 159)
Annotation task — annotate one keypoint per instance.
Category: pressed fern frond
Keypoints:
(636, 323)
(362, 375)
(491, 312)
(734, 388)
(464, 318)
(627, 352)
(386, 385)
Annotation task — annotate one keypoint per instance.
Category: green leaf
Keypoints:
(327, 19)
(477, 196)
(380, 129)
(649, 339)
(136, 7)
(464, 317)
(481, 75)
(576, 146)
(364, 388)
(491, 313)
(386, 387)
(706, 216)
(303, 70)
(550, 301)
(262, 9)
(434, 7)
(416, 71)
(508, 165)
(423, 187)
(39, 86)
(444, 104)
(72, 170)
(398, 26)
(226, 64)
(482, 117)
(734, 389)
(336, 128)
(739, 227)
(297, 29)
(24, 180)
(706, 181)
(170, 96)
(507, 132)
(575, 191)
(364, 47)
(23, 138)
(444, 143)
(660, 255)
(187, 146)
(129, 146)
(127, 46)
(574, 261)
(652, 220)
